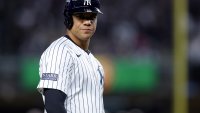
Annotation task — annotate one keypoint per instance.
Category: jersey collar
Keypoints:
(76, 48)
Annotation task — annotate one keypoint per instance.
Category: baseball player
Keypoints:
(71, 78)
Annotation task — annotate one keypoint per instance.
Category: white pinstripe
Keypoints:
(78, 76)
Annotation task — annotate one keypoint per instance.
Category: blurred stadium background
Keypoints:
(134, 42)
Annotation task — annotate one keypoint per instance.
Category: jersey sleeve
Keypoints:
(55, 69)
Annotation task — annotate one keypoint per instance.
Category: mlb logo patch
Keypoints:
(49, 76)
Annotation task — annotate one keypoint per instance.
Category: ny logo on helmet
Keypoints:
(87, 2)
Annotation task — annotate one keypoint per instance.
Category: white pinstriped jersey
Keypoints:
(66, 67)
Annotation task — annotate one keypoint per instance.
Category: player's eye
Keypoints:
(86, 16)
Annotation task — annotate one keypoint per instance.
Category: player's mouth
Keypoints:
(87, 30)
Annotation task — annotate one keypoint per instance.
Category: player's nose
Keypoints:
(88, 22)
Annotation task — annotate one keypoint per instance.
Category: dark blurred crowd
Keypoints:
(136, 28)
(29, 26)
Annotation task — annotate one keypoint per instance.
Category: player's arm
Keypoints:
(54, 101)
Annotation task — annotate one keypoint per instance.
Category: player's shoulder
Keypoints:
(57, 46)
(60, 42)
(95, 57)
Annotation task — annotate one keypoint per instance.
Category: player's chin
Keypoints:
(88, 33)
(87, 36)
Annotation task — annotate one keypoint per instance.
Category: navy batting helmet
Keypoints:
(79, 6)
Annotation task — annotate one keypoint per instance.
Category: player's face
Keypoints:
(84, 25)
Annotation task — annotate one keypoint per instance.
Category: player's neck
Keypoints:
(83, 44)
